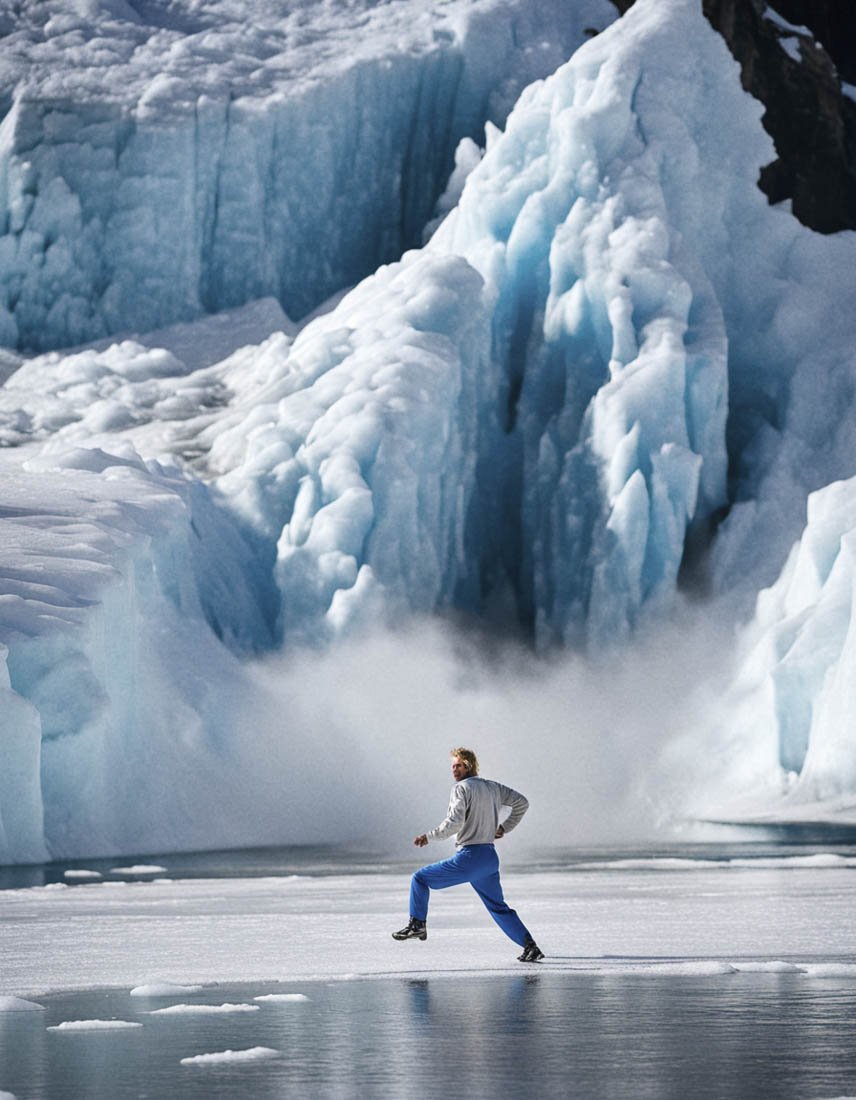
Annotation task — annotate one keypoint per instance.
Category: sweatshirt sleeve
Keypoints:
(454, 819)
(519, 805)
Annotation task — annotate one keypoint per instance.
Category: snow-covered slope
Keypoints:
(542, 414)
(159, 160)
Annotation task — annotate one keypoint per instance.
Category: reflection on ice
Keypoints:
(706, 1035)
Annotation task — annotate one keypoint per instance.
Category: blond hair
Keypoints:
(468, 757)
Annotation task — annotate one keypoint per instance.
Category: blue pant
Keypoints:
(477, 864)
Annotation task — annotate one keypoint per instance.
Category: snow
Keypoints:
(82, 875)
(791, 46)
(784, 25)
(252, 1054)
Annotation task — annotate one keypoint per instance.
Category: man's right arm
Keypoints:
(454, 819)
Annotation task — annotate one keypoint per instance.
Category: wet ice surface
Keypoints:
(764, 1035)
(704, 972)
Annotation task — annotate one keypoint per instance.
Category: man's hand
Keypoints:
(499, 834)
(421, 840)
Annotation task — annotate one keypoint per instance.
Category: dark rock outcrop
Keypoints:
(793, 56)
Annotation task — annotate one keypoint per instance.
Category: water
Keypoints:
(319, 860)
(537, 1034)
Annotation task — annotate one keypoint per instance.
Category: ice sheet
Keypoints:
(705, 923)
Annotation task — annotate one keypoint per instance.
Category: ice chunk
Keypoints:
(203, 1010)
(281, 998)
(18, 1004)
(138, 869)
(253, 1054)
(164, 989)
(773, 967)
(95, 1025)
(830, 970)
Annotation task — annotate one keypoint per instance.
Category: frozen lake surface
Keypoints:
(702, 971)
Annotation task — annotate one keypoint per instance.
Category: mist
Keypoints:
(351, 746)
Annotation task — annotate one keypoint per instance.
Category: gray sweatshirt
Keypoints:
(474, 809)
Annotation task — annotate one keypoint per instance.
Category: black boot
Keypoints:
(415, 930)
(532, 953)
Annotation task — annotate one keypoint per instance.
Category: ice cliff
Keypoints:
(158, 161)
(612, 372)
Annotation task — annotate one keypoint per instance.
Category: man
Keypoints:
(473, 815)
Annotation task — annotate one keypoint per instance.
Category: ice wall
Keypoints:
(644, 291)
(787, 718)
(119, 704)
(187, 159)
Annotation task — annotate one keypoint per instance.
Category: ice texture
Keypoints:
(161, 162)
(705, 923)
(793, 700)
(608, 342)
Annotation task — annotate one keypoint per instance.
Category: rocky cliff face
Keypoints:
(798, 58)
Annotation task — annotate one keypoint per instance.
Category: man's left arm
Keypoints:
(519, 805)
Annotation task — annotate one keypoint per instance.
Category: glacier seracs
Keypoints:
(608, 340)
(785, 746)
(159, 162)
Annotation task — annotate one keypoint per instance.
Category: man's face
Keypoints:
(460, 769)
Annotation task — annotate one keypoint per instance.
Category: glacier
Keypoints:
(606, 385)
(160, 161)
